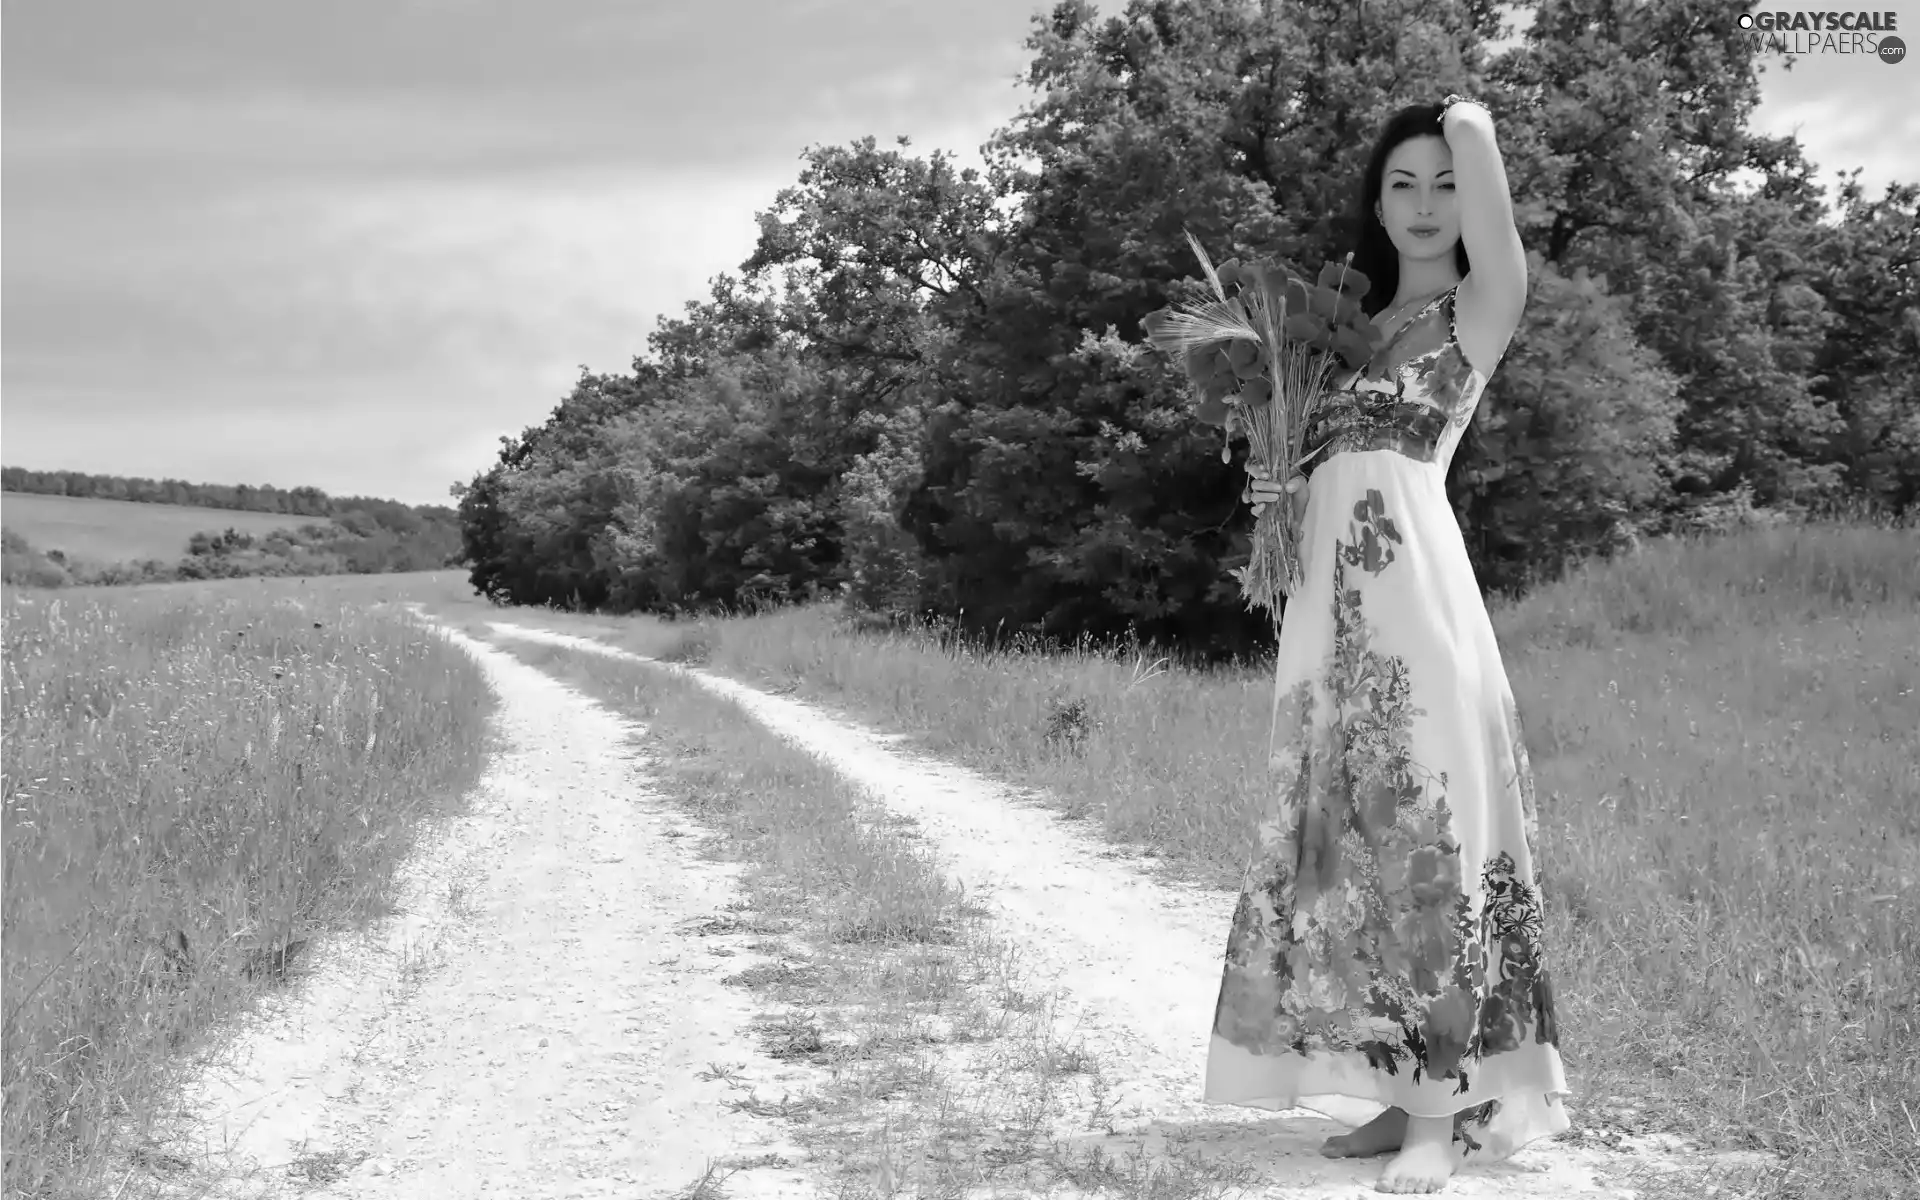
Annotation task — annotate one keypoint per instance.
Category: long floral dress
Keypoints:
(1387, 942)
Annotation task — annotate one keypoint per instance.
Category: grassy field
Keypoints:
(195, 778)
(1726, 736)
(113, 531)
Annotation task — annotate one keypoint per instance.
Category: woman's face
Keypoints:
(1416, 201)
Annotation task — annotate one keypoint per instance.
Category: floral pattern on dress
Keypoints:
(1373, 529)
(1416, 396)
(1355, 931)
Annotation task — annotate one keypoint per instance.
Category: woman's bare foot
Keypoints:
(1425, 1161)
(1377, 1136)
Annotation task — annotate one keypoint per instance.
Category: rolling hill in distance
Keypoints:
(67, 527)
(106, 531)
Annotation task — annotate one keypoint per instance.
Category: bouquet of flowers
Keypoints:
(1259, 355)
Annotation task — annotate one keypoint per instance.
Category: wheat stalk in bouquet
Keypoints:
(1259, 358)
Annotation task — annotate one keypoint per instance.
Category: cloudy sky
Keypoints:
(349, 244)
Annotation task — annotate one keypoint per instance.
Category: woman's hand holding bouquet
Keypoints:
(1263, 490)
(1258, 356)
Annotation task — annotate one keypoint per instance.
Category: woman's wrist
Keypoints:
(1456, 107)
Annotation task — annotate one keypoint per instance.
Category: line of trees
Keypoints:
(243, 497)
(926, 390)
(239, 497)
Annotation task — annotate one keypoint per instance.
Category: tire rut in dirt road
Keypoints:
(1135, 962)
(552, 1042)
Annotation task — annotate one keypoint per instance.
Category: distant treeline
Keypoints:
(243, 497)
(353, 535)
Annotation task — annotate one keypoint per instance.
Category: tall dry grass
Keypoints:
(1725, 733)
(240, 769)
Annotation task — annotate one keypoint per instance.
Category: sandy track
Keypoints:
(1135, 962)
(534, 1021)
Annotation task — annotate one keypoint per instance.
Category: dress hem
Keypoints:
(1487, 1146)
(1343, 1112)
(1519, 1099)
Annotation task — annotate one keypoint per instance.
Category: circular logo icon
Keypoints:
(1892, 49)
(1746, 20)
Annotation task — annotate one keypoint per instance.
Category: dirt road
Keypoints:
(535, 1022)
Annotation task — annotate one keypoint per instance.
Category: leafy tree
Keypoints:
(719, 501)
(884, 569)
(1866, 267)
(1629, 122)
(535, 525)
(1571, 453)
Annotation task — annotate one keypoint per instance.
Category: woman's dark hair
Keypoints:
(1374, 254)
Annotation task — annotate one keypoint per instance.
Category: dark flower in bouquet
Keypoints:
(1259, 355)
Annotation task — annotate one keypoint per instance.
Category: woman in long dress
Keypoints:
(1387, 943)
